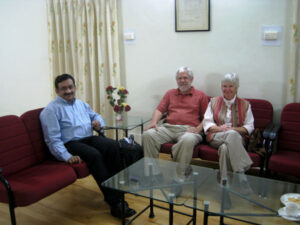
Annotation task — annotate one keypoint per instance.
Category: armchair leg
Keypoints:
(11, 206)
(10, 198)
(12, 214)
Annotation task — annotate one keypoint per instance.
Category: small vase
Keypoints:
(119, 117)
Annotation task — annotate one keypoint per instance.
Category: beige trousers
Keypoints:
(182, 151)
(232, 154)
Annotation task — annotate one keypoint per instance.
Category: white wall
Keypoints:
(233, 44)
(24, 73)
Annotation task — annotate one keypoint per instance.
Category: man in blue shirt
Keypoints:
(68, 125)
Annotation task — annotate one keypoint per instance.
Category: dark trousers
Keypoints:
(102, 156)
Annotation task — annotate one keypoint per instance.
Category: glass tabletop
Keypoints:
(154, 178)
(245, 197)
(129, 122)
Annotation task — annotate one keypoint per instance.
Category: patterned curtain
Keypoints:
(294, 57)
(83, 41)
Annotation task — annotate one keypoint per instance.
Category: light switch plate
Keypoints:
(129, 36)
(271, 35)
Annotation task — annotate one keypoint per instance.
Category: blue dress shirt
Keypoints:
(63, 121)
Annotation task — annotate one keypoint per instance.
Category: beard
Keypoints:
(184, 88)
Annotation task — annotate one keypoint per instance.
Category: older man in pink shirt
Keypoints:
(185, 107)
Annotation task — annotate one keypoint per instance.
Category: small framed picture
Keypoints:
(192, 15)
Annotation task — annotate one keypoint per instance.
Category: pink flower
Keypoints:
(117, 108)
(109, 88)
(127, 108)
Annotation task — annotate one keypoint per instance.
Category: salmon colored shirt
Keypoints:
(184, 109)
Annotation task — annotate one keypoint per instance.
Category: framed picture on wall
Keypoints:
(192, 15)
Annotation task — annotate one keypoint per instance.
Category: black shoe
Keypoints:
(116, 210)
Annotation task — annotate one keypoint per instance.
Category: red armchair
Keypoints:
(263, 116)
(26, 176)
(286, 157)
(28, 172)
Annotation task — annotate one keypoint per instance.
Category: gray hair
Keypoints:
(231, 78)
(183, 69)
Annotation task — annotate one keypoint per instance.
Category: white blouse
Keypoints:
(208, 120)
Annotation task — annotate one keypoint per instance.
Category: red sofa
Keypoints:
(28, 172)
(263, 117)
(285, 159)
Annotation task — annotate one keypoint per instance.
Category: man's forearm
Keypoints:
(199, 127)
(156, 116)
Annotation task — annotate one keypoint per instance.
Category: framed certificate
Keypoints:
(192, 15)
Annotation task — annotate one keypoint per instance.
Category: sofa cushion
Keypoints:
(81, 169)
(16, 151)
(167, 148)
(285, 161)
(208, 153)
(34, 183)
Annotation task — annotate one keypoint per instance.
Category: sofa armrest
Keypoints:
(268, 130)
(4, 181)
(272, 138)
(274, 132)
(266, 133)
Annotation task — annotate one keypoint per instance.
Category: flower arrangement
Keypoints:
(117, 100)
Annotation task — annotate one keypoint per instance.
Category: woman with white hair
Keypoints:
(228, 122)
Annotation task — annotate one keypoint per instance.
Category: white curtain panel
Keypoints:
(83, 42)
(294, 56)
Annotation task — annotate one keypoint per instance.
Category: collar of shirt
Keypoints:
(229, 102)
(65, 101)
(190, 92)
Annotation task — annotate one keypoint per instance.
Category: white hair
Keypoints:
(231, 78)
(183, 69)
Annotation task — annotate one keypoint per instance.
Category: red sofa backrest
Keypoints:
(31, 120)
(289, 134)
(16, 150)
(262, 111)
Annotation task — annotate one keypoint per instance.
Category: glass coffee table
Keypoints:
(250, 199)
(129, 122)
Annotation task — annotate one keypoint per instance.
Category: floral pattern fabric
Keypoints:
(83, 41)
(294, 57)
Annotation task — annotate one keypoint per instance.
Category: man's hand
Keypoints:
(152, 125)
(96, 125)
(74, 159)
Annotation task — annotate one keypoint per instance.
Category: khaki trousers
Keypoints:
(182, 151)
(232, 154)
